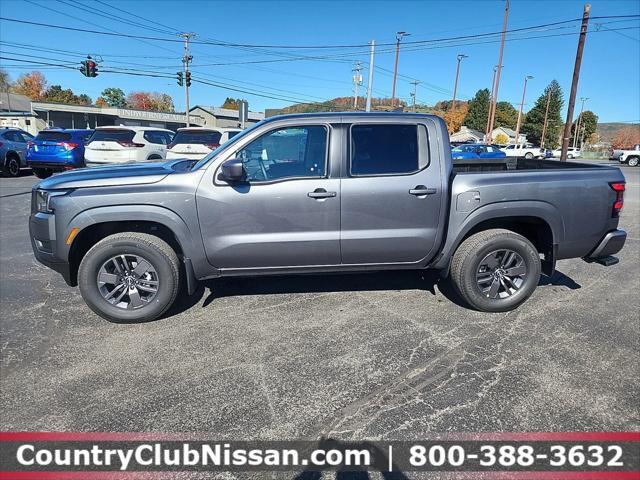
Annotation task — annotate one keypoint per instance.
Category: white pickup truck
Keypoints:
(523, 150)
(630, 157)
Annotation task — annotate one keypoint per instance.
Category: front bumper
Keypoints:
(610, 244)
(42, 231)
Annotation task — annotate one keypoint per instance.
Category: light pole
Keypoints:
(455, 85)
(492, 109)
(493, 84)
(399, 36)
(576, 131)
(524, 92)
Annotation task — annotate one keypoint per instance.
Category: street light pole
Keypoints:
(492, 110)
(370, 82)
(399, 36)
(524, 92)
(455, 85)
(576, 131)
(546, 116)
(185, 62)
(493, 84)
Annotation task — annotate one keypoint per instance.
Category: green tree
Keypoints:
(232, 103)
(589, 123)
(534, 120)
(478, 111)
(506, 115)
(112, 97)
(56, 94)
(84, 99)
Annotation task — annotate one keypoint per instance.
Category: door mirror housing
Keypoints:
(232, 170)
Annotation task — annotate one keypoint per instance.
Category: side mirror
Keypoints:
(232, 170)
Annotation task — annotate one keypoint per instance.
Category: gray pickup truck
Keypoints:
(338, 192)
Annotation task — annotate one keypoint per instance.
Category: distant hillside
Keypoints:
(339, 104)
(607, 131)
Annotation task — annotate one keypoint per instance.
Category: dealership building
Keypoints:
(20, 112)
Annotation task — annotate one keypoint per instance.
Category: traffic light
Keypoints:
(83, 69)
(179, 77)
(188, 78)
(92, 68)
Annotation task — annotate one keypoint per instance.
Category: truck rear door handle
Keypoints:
(422, 190)
(321, 193)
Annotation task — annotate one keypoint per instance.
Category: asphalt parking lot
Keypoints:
(376, 356)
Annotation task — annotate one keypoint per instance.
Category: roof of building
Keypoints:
(12, 102)
(227, 112)
(508, 131)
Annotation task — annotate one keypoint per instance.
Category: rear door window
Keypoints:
(387, 149)
(45, 136)
(191, 136)
(115, 135)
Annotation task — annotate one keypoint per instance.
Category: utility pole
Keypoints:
(413, 94)
(370, 82)
(357, 81)
(546, 116)
(492, 109)
(493, 84)
(576, 131)
(455, 84)
(524, 92)
(399, 36)
(574, 83)
(185, 63)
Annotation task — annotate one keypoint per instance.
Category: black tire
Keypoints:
(528, 155)
(569, 155)
(632, 161)
(42, 172)
(154, 157)
(156, 252)
(466, 265)
(11, 167)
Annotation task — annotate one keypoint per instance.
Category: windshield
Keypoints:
(225, 146)
(210, 137)
(45, 136)
(115, 135)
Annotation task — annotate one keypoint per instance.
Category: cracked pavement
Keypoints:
(376, 356)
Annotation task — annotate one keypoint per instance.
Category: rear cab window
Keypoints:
(209, 137)
(381, 149)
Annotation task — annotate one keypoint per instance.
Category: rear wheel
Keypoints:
(129, 277)
(495, 270)
(528, 155)
(42, 172)
(569, 155)
(632, 161)
(12, 165)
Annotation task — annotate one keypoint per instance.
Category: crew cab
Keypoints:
(631, 157)
(315, 193)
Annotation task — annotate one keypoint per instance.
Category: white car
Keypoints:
(196, 143)
(630, 157)
(114, 145)
(523, 150)
(572, 152)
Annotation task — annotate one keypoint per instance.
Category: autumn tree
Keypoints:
(534, 121)
(455, 118)
(32, 85)
(478, 111)
(626, 137)
(232, 103)
(160, 102)
(501, 139)
(112, 97)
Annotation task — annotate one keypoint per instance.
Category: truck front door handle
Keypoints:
(421, 190)
(321, 193)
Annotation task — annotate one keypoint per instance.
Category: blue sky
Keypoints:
(609, 76)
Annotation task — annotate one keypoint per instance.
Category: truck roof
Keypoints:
(338, 115)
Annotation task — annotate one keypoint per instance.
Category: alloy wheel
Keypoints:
(501, 274)
(128, 281)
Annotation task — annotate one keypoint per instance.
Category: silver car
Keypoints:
(13, 150)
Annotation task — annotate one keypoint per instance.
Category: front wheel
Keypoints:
(495, 270)
(12, 166)
(129, 277)
(632, 162)
(528, 155)
(42, 172)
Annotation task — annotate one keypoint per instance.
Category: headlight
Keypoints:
(42, 200)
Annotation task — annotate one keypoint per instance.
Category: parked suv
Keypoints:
(197, 142)
(13, 150)
(109, 145)
(56, 150)
(572, 152)
(526, 151)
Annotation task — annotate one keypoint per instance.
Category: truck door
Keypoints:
(286, 213)
(391, 196)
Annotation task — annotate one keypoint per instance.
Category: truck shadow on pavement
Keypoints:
(348, 282)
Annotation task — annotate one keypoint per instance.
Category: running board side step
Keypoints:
(606, 261)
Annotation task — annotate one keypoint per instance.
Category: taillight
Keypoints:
(212, 146)
(68, 145)
(128, 143)
(619, 203)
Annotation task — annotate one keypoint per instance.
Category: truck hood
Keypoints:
(109, 176)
